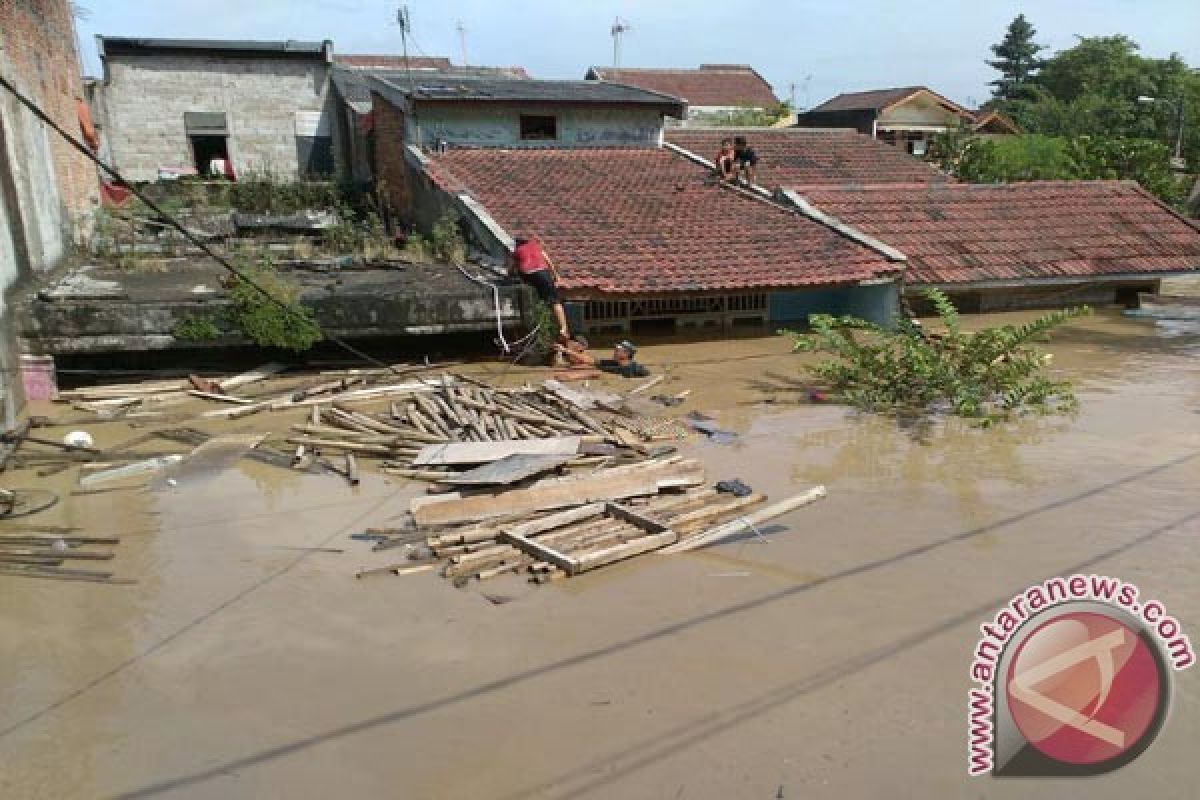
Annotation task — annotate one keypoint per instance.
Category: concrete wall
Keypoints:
(47, 189)
(498, 125)
(146, 96)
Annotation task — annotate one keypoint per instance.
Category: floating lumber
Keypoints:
(453, 453)
(129, 470)
(253, 376)
(746, 522)
(572, 492)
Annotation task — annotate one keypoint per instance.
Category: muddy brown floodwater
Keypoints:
(830, 660)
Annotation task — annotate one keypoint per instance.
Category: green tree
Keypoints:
(1016, 59)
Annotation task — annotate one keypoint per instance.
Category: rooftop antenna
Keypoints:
(405, 23)
(619, 29)
(462, 40)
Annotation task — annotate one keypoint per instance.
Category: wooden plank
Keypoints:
(579, 491)
(456, 453)
(539, 551)
(254, 375)
(129, 470)
(507, 470)
(643, 544)
(646, 523)
(743, 523)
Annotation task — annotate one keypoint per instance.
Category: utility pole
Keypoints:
(619, 29)
(462, 40)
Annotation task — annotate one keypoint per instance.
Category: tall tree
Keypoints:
(1016, 60)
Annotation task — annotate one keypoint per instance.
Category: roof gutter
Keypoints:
(475, 211)
(1065, 280)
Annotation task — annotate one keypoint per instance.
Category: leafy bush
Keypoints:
(264, 194)
(446, 240)
(982, 374)
(278, 321)
(198, 328)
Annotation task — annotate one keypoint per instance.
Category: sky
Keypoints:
(823, 47)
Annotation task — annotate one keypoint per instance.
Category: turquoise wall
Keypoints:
(878, 303)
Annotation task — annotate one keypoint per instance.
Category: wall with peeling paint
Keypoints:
(498, 125)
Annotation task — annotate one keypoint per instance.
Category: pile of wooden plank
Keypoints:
(563, 526)
(30, 554)
(451, 424)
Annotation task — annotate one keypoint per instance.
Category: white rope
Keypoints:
(495, 301)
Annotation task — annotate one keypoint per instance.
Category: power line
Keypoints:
(179, 228)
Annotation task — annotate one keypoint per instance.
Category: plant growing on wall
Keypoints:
(988, 373)
(278, 321)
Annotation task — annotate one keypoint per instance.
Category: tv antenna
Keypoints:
(462, 40)
(619, 29)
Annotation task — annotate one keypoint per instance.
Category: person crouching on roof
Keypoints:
(724, 161)
(533, 266)
(745, 160)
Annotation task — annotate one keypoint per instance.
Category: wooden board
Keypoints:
(550, 495)
(457, 453)
(509, 469)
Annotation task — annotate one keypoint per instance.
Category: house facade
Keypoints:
(713, 92)
(48, 190)
(908, 118)
(172, 107)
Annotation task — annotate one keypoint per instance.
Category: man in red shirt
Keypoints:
(534, 267)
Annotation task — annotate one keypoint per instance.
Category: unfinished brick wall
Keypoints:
(391, 168)
(37, 51)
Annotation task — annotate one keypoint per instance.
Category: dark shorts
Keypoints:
(543, 283)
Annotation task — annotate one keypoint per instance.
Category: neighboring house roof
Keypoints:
(123, 45)
(994, 122)
(354, 83)
(398, 87)
(710, 85)
(799, 157)
(1053, 230)
(366, 60)
(879, 100)
(360, 61)
(649, 221)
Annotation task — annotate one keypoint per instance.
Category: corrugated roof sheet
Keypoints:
(648, 221)
(960, 233)
(800, 157)
(444, 87)
(710, 85)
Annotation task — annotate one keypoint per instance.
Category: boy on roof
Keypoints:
(724, 161)
(745, 159)
(533, 266)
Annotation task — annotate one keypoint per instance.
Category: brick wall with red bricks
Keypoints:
(37, 49)
(390, 166)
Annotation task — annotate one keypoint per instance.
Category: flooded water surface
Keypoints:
(827, 657)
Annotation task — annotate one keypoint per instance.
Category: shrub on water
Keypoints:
(987, 373)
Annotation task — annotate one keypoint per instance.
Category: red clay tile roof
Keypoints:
(649, 221)
(799, 157)
(710, 85)
(962, 233)
(877, 100)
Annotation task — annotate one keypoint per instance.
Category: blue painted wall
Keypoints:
(878, 304)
